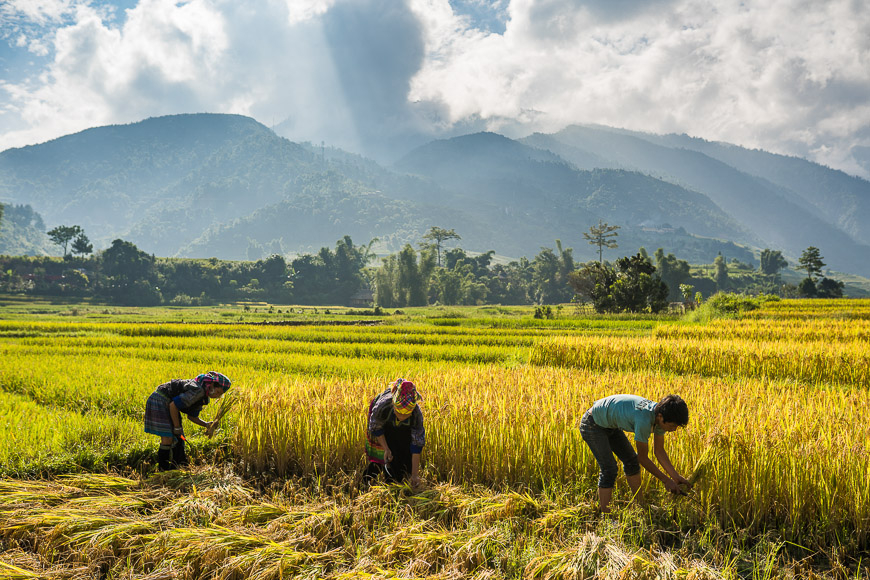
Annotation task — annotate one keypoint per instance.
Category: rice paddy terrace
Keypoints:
(778, 441)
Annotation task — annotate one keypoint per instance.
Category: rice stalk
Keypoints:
(314, 529)
(417, 542)
(28, 568)
(10, 572)
(257, 514)
(52, 521)
(185, 480)
(487, 510)
(113, 503)
(275, 561)
(640, 566)
(192, 510)
(168, 573)
(226, 493)
(480, 550)
(28, 495)
(705, 463)
(71, 531)
(106, 544)
(228, 401)
(444, 503)
(227, 553)
(94, 481)
(34, 492)
(562, 519)
(584, 562)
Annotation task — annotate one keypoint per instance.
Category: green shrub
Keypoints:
(728, 305)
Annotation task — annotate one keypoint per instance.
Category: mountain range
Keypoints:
(206, 185)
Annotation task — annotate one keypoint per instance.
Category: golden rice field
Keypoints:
(779, 434)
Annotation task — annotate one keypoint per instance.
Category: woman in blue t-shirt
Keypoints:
(602, 429)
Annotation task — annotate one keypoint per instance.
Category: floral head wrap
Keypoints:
(213, 377)
(405, 396)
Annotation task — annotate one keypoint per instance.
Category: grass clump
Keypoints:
(728, 305)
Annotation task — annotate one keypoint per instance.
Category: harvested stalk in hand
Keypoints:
(227, 402)
(707, 459)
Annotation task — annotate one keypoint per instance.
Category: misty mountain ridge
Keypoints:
(208, 185)
(761, 198)
(840, 199)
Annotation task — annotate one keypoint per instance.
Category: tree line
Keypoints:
(432, 273)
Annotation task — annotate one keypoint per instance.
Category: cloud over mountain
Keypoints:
(790, 77)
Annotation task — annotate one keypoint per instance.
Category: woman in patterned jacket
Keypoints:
(165, 405)
(395, 435)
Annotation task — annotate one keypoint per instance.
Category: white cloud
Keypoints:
(303, 10)
(166, 55)
(790, 76)
(40, 12)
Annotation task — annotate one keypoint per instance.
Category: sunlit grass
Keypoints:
(818, 363)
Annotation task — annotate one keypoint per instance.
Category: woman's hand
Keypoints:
(683, 482)
(672, 486)
(208, 429)
(388, 455)
(415, 481)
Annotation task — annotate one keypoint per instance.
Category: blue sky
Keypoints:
(788, 76)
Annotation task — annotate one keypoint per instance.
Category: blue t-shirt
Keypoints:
(629, 413)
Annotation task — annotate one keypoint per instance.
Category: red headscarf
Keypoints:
(405, 396)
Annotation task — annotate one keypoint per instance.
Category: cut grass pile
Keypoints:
(207, 523)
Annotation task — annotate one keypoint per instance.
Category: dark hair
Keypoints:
(673, 409)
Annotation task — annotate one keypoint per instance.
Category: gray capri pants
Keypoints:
(604, 443)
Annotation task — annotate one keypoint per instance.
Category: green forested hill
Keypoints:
(490, 169)
(22, 232)
(171, 183)
(535, 193)
(226, 186)
(111, 179)
(322, 209)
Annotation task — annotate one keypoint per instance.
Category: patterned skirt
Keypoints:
(157, 418)
(374, 451)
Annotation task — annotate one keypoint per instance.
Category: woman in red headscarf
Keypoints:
(395, 434)
(166, 404)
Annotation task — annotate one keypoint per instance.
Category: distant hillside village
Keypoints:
(438, 271)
